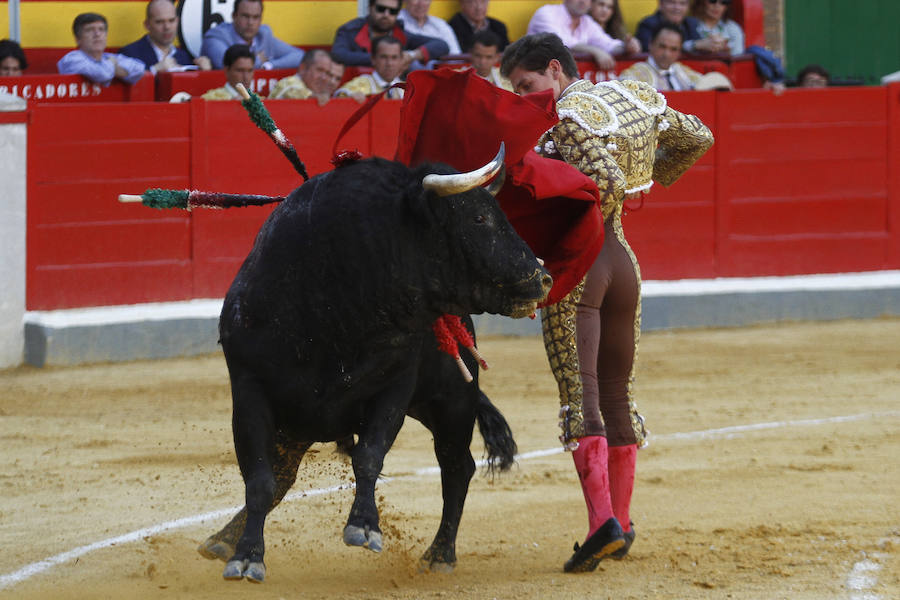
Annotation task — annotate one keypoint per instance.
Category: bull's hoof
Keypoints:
(238, 569)
(433, 566)
(365, 537)
(255, 572)
(234, 569)
(215, 549)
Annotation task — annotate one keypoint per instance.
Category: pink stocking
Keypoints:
(591, 463)
(622, 460)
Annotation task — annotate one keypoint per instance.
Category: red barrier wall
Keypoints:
(75, 88)
(805, 182)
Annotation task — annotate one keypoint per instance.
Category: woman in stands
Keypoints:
(608, 14)
(12, 59)
(723, 34)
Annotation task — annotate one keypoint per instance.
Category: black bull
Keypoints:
(326, 331)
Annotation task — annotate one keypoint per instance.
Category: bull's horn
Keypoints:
(446, 185)
(497, 183)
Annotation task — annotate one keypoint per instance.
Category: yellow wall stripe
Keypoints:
(48, 24)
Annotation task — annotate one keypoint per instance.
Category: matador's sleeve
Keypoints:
(586, 151)
(681, 144)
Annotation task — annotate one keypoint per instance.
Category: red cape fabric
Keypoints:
(458, 118)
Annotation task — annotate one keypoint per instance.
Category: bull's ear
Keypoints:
(423, 206)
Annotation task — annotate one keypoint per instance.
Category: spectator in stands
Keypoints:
(246, 28)
(724, 35)
(318, 76)
(472, 18)
(12, 59)
(415, 19)
(157, 49)
(238, 60)
(354, 40)
(484, 56)
(672, 11)
(814, 76)
(608, 15)
(662, 69)
(577, 30)
(388, 62)
(91, 61)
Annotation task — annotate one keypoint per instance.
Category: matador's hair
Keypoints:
(534, 52)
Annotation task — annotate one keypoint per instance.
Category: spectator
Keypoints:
(388, 63)
(609, 16)
(484, 56)
(354, 40)
(662, 69)
(472, 18)
(246, 28)
(813, 76)
(12, 59)
(578, 31)
(672, 11)
(238, 60)
(91, 61)
(318, 77)
(157, 49)
(724, 35)
(416, 20)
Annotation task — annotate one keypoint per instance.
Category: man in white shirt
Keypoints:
(578, 31)
(416, 19)
(91, 60)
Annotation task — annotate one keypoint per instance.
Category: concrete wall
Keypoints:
(12, 231)
(116, 333)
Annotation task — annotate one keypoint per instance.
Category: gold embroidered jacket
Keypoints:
(622, 135)
(368, 84)
(290, 87)
(226, 92)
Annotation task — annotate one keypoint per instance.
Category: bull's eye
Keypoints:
(480, 219)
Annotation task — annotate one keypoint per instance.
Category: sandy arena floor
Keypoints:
(806, 506)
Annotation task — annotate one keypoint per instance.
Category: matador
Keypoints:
(624, 136)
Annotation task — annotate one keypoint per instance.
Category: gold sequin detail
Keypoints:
(560, 342)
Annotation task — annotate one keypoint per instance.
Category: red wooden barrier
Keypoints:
(84, 248)
(805, 182)
(75, 88)
(672, 231)
(893, 186)
(197, 83)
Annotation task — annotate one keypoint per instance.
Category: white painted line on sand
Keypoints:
(862, 578)
(30, 570)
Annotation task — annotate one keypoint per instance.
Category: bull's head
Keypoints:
(494, 269)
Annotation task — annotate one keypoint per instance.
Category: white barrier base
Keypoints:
(117, 333)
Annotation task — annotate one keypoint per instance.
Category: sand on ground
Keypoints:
(805, 505)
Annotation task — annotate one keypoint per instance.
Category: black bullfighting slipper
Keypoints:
(629, 539)
(606, 540)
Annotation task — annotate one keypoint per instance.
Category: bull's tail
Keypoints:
(498, 437)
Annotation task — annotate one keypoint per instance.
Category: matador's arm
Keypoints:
(680, 145)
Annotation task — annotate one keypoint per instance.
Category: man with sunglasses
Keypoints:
(353, 40)
(675, 12)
